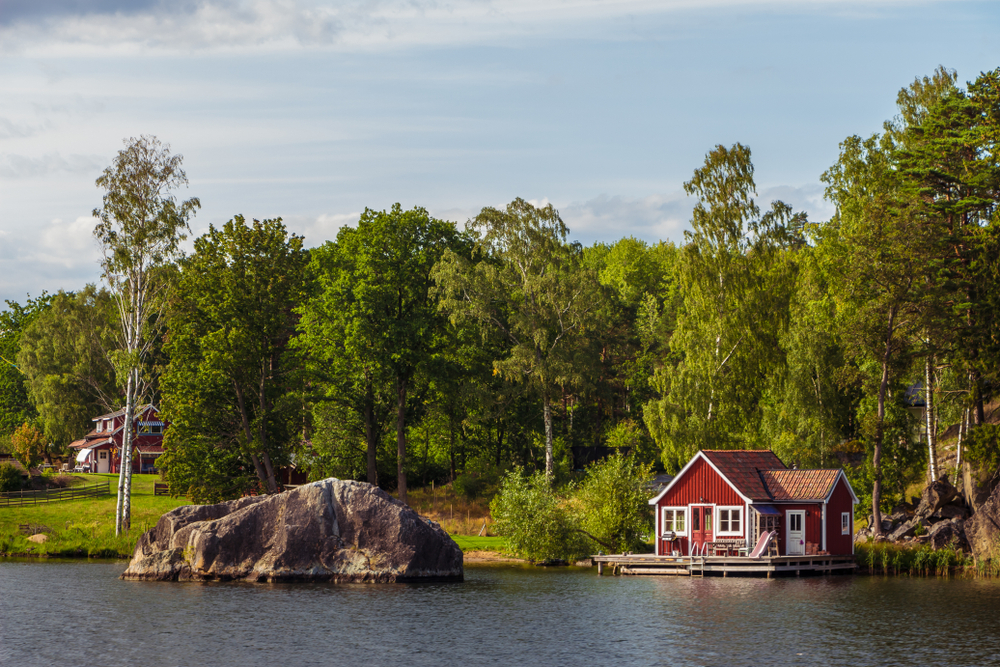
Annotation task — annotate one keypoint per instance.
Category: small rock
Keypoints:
(907, 529)
(899, 517)
(39, 538)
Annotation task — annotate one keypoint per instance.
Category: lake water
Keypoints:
(81, 614)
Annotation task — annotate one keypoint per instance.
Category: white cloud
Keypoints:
(19, 166)
(252, 25)
(318, 229)
(653, 218)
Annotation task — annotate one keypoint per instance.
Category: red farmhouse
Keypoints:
(100, 450)
(728, 498)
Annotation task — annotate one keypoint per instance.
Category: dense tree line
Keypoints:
(409, 350)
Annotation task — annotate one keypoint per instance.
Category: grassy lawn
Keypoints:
(86, 527)
(485, 543)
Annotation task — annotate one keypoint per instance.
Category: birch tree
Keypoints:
(530, 286)
(140, 226)
(736, 290)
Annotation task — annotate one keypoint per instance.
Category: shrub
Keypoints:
(614, 502)
(10, 477)
(528, 512)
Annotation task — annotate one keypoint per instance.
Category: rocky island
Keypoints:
(331, 530)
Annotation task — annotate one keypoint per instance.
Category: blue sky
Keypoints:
(313, 110)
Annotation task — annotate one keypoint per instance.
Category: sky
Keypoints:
(313, 110)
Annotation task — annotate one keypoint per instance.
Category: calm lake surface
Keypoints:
(78, 613)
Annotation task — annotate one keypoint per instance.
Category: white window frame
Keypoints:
(663, 521)
(845, 523)
(718, 520)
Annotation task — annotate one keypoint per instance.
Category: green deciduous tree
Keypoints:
(374, 319)
(227, 388)
(530, 285)
(64, 357)
(15, 405)
(736, 286)
(140, 226)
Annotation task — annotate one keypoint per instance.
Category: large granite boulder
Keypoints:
(331, 530)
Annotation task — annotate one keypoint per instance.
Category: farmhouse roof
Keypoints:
(742, 468)
(799, 484)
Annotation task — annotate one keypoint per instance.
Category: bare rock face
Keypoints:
(331, 530)
(983, 529)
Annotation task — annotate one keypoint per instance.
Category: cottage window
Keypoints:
(845, 523)
(674, 520)
(731, 520)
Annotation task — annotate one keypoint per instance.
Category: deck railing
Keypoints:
(22, 498)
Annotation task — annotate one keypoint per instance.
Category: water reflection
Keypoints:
(81, 614)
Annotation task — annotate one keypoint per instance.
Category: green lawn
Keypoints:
(474, 543)
(86, 527)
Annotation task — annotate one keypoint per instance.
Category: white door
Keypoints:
(102, 461)
(795, 533)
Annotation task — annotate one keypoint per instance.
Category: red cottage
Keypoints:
(727, 498)
(100, 450)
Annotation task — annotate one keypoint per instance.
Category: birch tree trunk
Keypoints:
(550, 465)
(929, 420)
(123, 508)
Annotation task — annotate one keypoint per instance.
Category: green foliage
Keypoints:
(10, 477)
(613, 502)
(63, 357)
(983, 446)
(736, 289)
(531, 286)
(371, 331)
(227, 388)
(15, 406)
(534, 519)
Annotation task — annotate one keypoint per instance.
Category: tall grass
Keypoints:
(895, 559)
(456, 513)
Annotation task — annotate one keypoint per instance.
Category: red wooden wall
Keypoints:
(700, 484)
(840, 501)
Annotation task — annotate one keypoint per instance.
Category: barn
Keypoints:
(723, 500)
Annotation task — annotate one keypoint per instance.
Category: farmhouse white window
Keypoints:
(674, 520)
(730, 521)
(845, 523)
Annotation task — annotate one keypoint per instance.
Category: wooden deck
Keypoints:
(724, 566)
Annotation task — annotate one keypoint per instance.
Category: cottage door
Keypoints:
(795, 539)
(701, 527)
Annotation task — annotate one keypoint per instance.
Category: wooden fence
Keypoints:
(22, 498)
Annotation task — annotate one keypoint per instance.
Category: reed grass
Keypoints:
(895, 559)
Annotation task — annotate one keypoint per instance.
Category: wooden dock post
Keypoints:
(600, 568)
